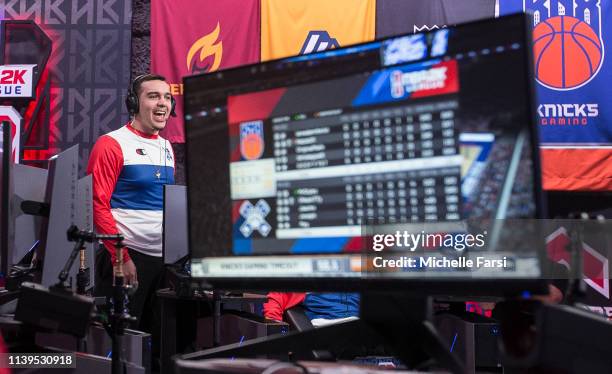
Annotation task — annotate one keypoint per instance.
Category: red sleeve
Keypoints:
(105, 164)
(278, 302)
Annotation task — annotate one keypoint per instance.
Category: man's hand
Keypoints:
(129, 273)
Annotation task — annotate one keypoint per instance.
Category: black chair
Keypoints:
(297, 319)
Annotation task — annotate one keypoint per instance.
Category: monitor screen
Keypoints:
(293, 164)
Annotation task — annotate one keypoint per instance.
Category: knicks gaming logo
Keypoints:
(318, 41)
(251, 140)
(206, 53)
(567, 42)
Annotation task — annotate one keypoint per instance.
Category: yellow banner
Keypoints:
(304, 26)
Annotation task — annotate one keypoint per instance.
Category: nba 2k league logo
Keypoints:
(567, 42)
(318, 41)
(421, 80)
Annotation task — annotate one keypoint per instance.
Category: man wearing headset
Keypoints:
(129, 167)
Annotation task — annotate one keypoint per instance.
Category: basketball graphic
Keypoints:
(251, 140)
(252, 147)
(567, 52)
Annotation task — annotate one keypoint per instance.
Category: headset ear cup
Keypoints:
(131, 100)
(131, 103)
(172, 106)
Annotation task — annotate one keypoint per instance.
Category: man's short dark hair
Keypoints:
(139, 80)
(131, 99)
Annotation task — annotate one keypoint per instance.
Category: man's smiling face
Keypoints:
(154, 101)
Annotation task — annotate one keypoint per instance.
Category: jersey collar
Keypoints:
(140, 133)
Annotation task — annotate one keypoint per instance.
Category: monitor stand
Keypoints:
(400, 322)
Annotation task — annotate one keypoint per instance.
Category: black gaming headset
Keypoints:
(131, 100)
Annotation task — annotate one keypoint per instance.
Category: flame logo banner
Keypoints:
(208, 45)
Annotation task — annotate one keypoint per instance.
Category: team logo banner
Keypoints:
(572, 71)
(200, 36)
(303, 26)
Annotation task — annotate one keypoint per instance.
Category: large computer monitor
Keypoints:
(29, 185)
(61, 194)
(175, 245)
(294, 165)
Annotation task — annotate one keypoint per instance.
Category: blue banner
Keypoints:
(574, 82)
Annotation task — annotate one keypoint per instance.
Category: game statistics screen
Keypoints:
(289, 160)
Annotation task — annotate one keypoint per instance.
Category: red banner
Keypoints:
(200, 36)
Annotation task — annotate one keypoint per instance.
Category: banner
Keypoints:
(573, 85)
(304, 26)
(200, 36)
(407, 16)
(81, 90)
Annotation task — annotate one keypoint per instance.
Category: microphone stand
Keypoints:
(119, 316)
(63, 275)
(576, 287)
(83, 277)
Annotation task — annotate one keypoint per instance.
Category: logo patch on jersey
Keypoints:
(141, 151)
(317, 41)
(168, 154)
(251, 140)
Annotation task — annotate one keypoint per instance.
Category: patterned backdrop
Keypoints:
(89, 68)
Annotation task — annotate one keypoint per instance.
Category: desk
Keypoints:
(179, 319)
(258, 366)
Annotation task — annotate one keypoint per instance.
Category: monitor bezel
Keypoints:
(5, 195)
